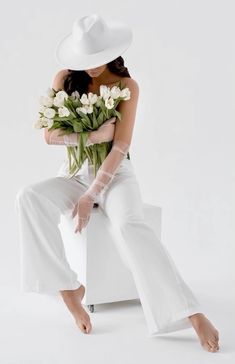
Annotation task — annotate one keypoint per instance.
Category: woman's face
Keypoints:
(95, 72)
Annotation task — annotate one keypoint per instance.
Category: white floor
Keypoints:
(38, 329)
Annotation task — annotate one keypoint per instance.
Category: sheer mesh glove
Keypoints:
(103, 134)
(101, 182)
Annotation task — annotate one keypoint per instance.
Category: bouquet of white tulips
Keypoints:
(72, 113)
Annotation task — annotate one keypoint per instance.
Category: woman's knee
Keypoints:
(26, 192)
(22, 195)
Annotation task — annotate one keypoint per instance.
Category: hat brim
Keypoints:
(121, 39)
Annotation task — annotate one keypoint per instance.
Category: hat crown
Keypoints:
(90, 34)
(94, 41)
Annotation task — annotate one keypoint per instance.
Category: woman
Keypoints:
(92, 58)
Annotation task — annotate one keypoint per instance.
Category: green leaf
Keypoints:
(100, 119)
(118, 114)
(78, 127)
(95, 122)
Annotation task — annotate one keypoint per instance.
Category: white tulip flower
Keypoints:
(50, 92)
(84, 99)
(86, 109)
(125, 93)
(104, 92)
(45, 121)
(42, 108)
(38, 124)
(89, 109)
(49, 113)
(58, 101)
(50, 122)
(82, 109)
(63, 111)
(92, 98)
(115, 92)
(46, 101)
(109, 103)
(75, 95)
(62, 94)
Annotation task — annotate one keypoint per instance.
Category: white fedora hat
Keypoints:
(92, 43)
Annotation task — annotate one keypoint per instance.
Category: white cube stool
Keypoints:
(93, 255)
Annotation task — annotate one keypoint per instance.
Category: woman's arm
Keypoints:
(120, 147)
(121, 142)
(103, 134)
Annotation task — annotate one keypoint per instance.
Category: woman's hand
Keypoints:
(104, 133)
(83, 210)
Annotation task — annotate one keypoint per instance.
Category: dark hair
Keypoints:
(79, 80)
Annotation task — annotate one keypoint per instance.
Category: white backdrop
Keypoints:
(182, 56)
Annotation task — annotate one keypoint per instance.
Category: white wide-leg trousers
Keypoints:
(166, 299)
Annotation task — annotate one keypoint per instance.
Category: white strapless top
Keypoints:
(86, 169)
(64, 168)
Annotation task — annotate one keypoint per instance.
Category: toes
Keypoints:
(85, 329)
(82, 327)
(214, 349)
(206, 346)
(213, 342)
(209, 347)
(83, 321)
(213, 345)
(216, 345)
(88, 328)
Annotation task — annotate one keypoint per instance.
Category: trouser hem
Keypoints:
(39, 288)
(179, 321)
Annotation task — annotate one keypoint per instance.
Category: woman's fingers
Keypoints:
(82, 223)
(109, 133)
(107, 122)
(83, 210)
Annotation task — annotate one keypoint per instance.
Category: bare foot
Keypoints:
(207, 333)
(72, 299)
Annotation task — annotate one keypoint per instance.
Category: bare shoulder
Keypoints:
(132, 84)
(58, 81)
